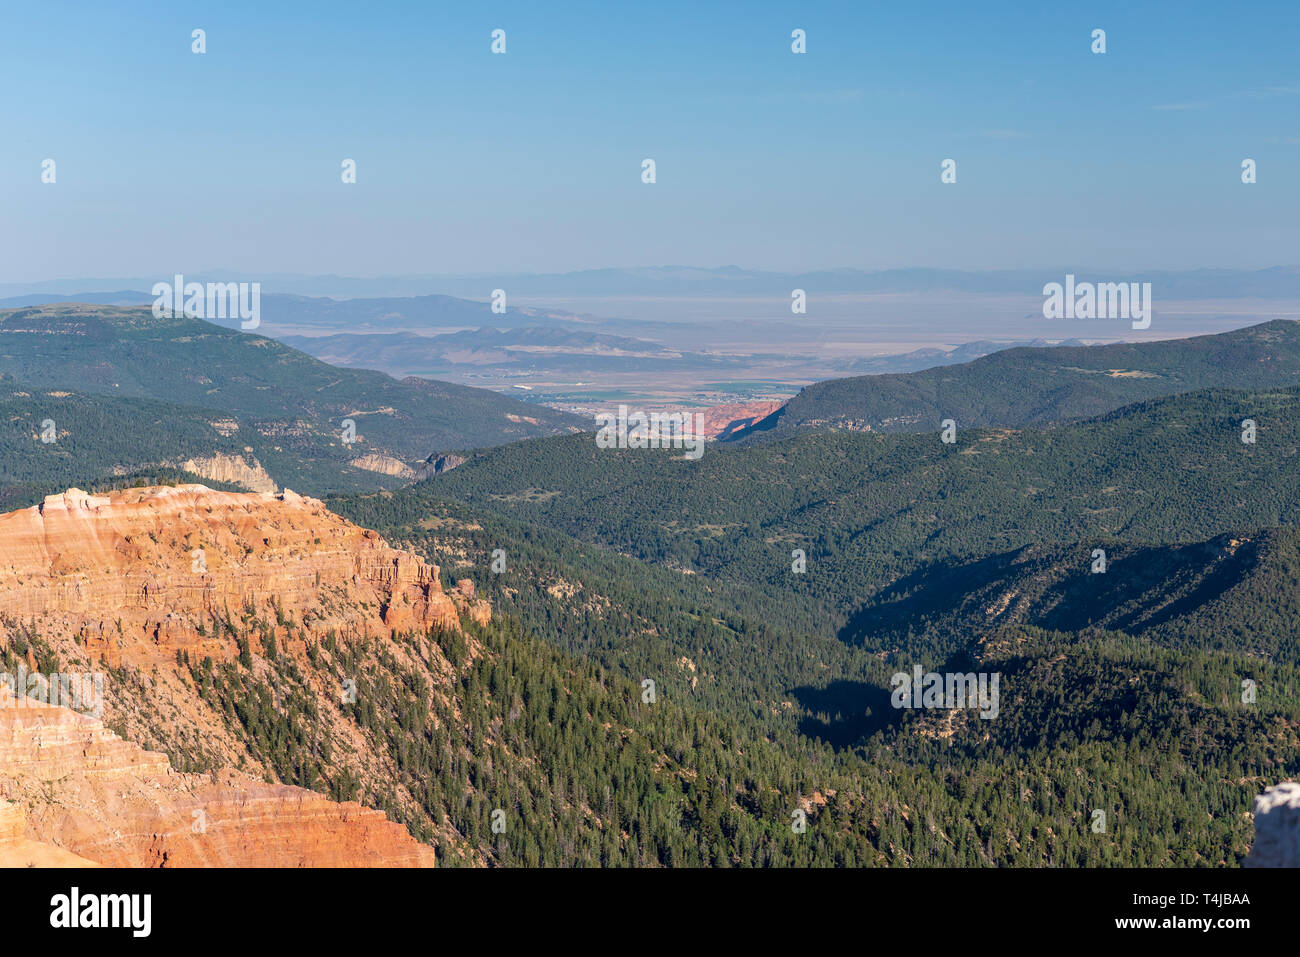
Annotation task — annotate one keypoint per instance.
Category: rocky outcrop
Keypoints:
(233, 470)
(137, 575)
(1277, 827)
(437, 464)
(384, 464)
(74, 794)
(479, 611)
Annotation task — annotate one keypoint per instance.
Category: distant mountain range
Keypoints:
(564, 351)
(680, 341)
(285, 316)
(463, 340)
(529, 350)
(929, 358)
(283, 312)
(124, 297)
(1274, 282)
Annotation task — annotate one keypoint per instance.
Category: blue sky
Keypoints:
(469, 162)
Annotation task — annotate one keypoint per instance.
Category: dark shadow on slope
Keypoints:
(1131, 597)
(929, 592)
(940, 606)
(844, 712)
(765, 424)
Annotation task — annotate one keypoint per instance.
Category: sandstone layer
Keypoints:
(152, 589)
(117, 805)
(138, 574)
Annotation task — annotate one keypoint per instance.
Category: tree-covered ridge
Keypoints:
(95, 435)
(866, 508)
(1043, 386)
(128, 352)
(732, 646)
(919, 561)
(718, 645)
(98, 438)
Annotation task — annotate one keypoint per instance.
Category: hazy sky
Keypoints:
(531, 161)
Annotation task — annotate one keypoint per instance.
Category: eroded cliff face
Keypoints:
(74, 794)
(139, 587)
(384, 464)
(136, 575)
(233, 469)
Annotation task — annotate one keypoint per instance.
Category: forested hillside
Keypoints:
(1123, 690)
(867, 508)
(1042, 386)
(665, 683)
(306, 422)
(52, 440)
(582, 768)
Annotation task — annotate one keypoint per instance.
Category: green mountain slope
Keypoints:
(1120, 691)
(1041, 386)
(1236, 592)
(867, 508)
(98, 440)
(1148, 726)
(126, 352)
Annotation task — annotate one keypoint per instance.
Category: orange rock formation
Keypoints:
(133, 574)
(121, 806)
(131, 578)
(722, 420)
